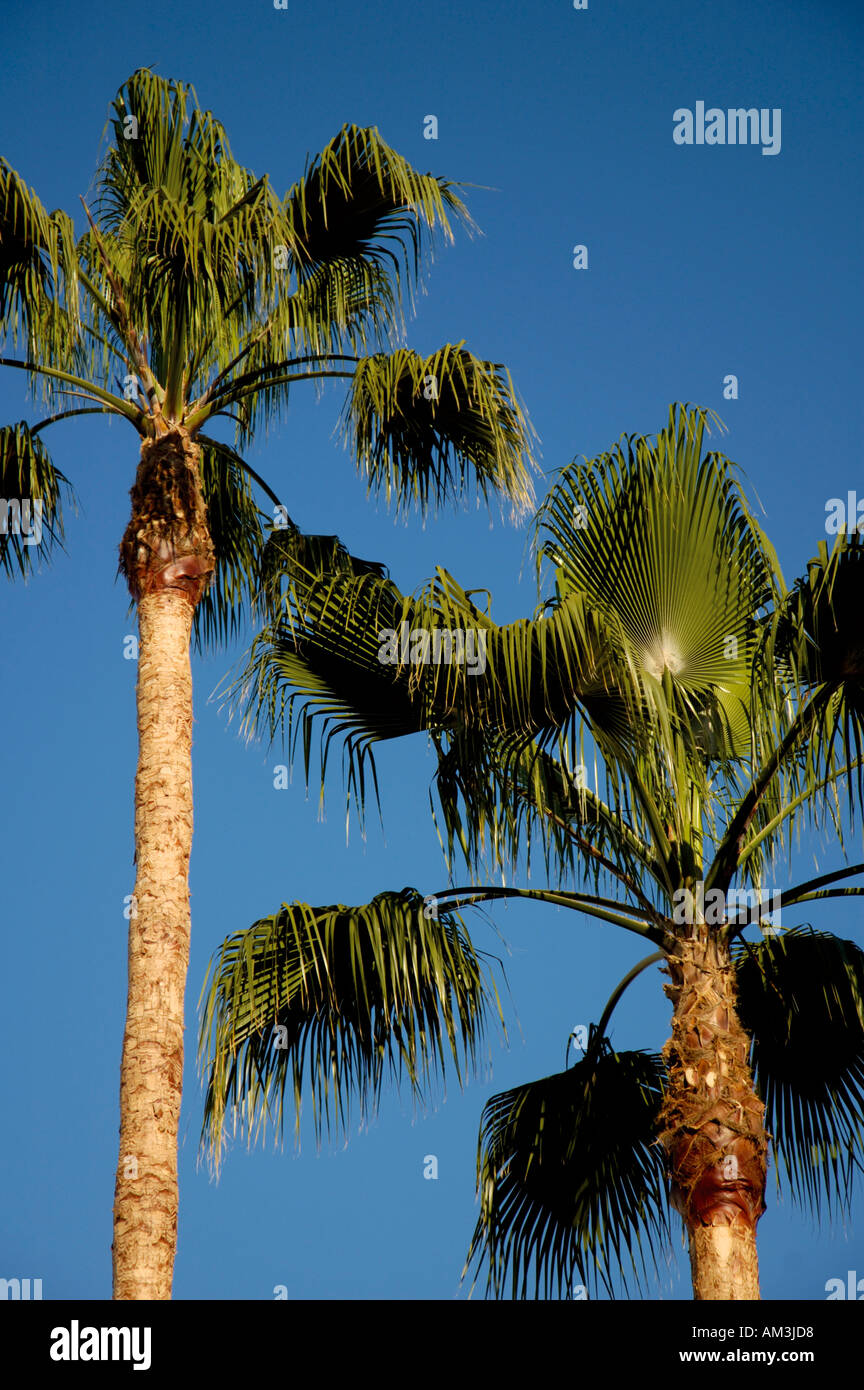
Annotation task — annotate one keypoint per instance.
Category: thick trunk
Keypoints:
(166, 555)
(712, 1122)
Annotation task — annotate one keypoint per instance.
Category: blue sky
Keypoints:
(702, 261)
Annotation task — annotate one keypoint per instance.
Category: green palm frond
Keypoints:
(293, 560)
(570, 1177)
(237, 532)
(31, 500)
(801, 998)
(498, 798)
(343, 639)
(189, 233)
(425, 429)
(317, 667)
(324, 323)
(330, 1000)
(523, 679)
(343, 644)
(359, 200)
(816, 643)
(38, 268)
(660, 535)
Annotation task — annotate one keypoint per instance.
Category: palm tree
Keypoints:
(722, 713)
(197, 293)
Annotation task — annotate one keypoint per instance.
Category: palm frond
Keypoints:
(570, 1177)
(360, 200)
(426, 429)
(38, 267)
(814, 650)
(372, 663)
(191, 232)
(499, 796)
(315, 331)
(329, 1001)
(317, 666)
(801, 998)
(237, 532)
(31, 500)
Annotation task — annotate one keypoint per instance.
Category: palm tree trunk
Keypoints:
(712, 1121)
(166, 555)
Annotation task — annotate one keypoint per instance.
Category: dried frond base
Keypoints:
(167, 543)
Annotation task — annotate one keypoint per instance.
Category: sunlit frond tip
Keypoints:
(331, 999)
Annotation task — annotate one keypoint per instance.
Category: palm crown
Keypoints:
(721, 713)
(198, 293)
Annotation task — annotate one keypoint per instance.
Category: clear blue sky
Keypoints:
(703, 261)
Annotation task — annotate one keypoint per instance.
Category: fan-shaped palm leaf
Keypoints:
(570, 1177)
(334, 998)
(662, 536)
(801, 997)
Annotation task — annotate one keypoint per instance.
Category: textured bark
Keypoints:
(167, 570)
(167, 542)
(712, 1122)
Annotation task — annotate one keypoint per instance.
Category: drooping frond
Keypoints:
(427, 429)
(571, 1179)
(31, 500)
(801, 998)
(38, 271)
(372, 663)
(316, 667)
(359, 200)
(815, 650)
(236, 529)
(328, 1001)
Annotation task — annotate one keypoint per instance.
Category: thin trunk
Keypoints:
(712, 1122)
(145, 1207)
(166, 556)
